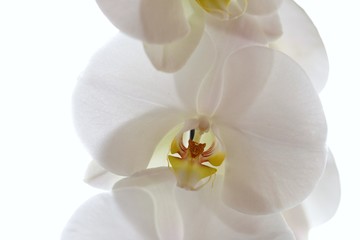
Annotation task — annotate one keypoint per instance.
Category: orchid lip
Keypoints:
(193, 164)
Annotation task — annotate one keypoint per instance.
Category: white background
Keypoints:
(45, 44)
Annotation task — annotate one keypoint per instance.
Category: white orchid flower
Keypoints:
(171, 30)
(148, 205)
(163, 21)
(259, 113)
(319, 206)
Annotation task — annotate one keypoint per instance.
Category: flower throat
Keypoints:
(224, 9)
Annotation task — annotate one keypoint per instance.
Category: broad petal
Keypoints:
(263, 7)
(123, 107)
(214, 220)
(150, 195)
(273, 126)
(302, 42)
(156, 21)
(98, 177)
(101, 217)
(173, 56)
(320, 206)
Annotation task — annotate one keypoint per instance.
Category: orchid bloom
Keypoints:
(164, 21)
(261, 112)
(171, 29)
(148, 205)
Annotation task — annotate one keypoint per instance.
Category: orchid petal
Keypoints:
(254, 29)
(214, 220)
(98, 177)
(102, 218)
(156, 21)
(189, 78)
(273, 126)
(173, 56)
(263, 7)
(302, 42)
(123, 107)
(321, 204)
(152, 192)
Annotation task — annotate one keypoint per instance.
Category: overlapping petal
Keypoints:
(319, 206)
(147, 205)
(123, 107)
(302, 42)
(155, 21)
(154, 187)
(274, 129)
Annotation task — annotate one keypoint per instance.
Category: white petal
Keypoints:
(189, 78)
(274, 130)
(302, 42)
(216, 221)
(156, 21)
(255, 29)
(101, 217)
(97, 176)
(320, 206)
(262, 7)
(172, 56)
(157, 185)
(123, 107)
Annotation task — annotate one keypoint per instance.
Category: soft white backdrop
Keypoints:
(44, 45)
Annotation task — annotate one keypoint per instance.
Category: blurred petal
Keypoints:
(274, 130)
(97, 176)
(156, 21)
(123, 107)
(302, 42)
(263, 7)
(172, 56)
(153, 186)
(101, 217)
(216, 221)
(321, 204)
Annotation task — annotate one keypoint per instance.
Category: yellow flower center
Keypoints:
(224, 9)
(188, 163)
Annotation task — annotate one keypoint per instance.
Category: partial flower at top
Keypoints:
(172, 29)
(257, 117)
